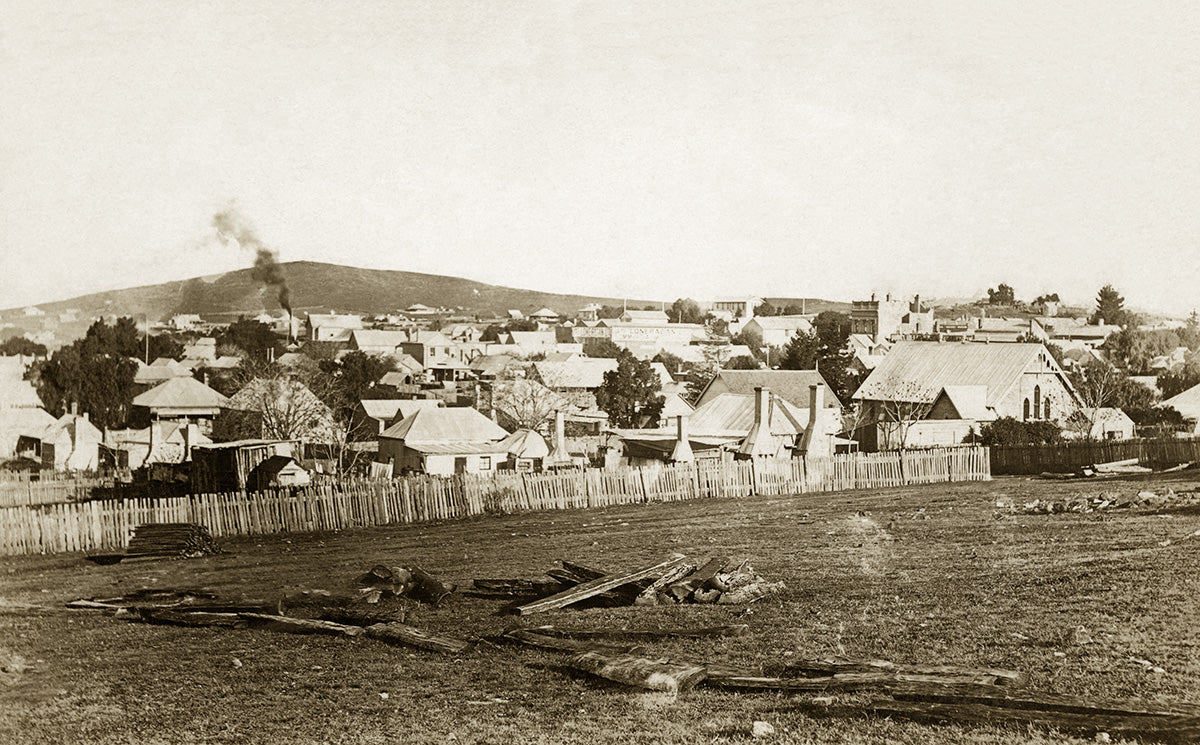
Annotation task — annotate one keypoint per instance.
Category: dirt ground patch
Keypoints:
(934, 574)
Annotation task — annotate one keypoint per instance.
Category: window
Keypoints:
(485, 463)
(1025, 415)
(1046, 408)
(1037, 401)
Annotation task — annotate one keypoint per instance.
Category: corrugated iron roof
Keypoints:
(733, 413)
(445, 426)
(919, 370)
(1186, 403)
(181, 393)
(525, 443)
(790, 385)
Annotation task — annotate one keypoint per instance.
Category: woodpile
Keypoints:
(181, 540)
(384, 581)
(678, 579)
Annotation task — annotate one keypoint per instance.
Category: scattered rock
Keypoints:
(762, 729)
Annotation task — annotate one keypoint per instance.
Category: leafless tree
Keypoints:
(521, 403)
(1096, 385)
(284, 405)
(908, 402)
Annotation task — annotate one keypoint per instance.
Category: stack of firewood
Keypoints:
(676, 580)
(171, 539)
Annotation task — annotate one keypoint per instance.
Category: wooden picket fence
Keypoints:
(1070, 456)
(17, 492)
(355, 503)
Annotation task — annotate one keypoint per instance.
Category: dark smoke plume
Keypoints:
(232, 226)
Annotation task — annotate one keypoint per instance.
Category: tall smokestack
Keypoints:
(558, 454)
(232, 226)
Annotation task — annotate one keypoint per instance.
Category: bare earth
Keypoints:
(934, 574)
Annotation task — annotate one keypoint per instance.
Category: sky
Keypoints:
(645, 150)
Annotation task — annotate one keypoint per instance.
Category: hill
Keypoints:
(313, 286)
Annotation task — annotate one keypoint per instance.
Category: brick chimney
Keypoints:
(813, 443)
(683, 448)
(759, 443)
(558, 454)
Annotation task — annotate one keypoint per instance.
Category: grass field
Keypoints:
(933, 574)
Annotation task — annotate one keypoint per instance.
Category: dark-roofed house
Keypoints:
(924, 394)
(183, 399)
(444, 442)
(791, 385)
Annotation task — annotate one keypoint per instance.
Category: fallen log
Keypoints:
(1055, 702)
(429, 588)
(568, 579)
(597, 586)
(362, 616)
(584, 573)
(653, 674)
(538, 588)
(560, 644)
(829, 666)
(182, 618)
(736, 629)
(301, 625)
(413, 637)
(1175, 728)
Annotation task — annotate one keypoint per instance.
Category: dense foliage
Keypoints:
(1010, 431)
(630, 394)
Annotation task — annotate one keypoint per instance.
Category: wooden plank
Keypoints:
(736, 629)
(597, 586)
(413, 637)
(642, 672)
(834, 666)
(301, 625)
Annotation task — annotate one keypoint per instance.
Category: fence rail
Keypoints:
(355, 503)
(49, 491)
(1064, 457)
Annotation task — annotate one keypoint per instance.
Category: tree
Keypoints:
(673, 363)
(630, 393)
(253, 337)
(491, 333)
(1009, 431)
(95, 372)
(1042, 299)
(1110, 307)
(276, 403)
(164, 345)
(1002, 295)
(766, 309)
(685, 310)
(19, 345)
(609, 311)
(521, 403)
(908, 403)
(742, 362)
(1096, 385)
(601, 347)
(801, 352)
(1174, 382)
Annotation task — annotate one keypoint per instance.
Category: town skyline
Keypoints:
(795, 150)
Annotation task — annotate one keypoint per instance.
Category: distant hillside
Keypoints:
(810, 304)
(314, 287)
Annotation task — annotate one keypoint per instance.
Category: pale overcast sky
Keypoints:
(645, 149)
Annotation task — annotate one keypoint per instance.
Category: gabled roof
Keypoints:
(181, 393)
(919, 370)
(790, 385)
(1186, 403)
(163, 368)
(456, 425)
(386, 410)
(645, 316)
(732, 414)
(525, 443)
(334, 320)
(970, 401)
(544, 313)
(15, 392)
(365, 339)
